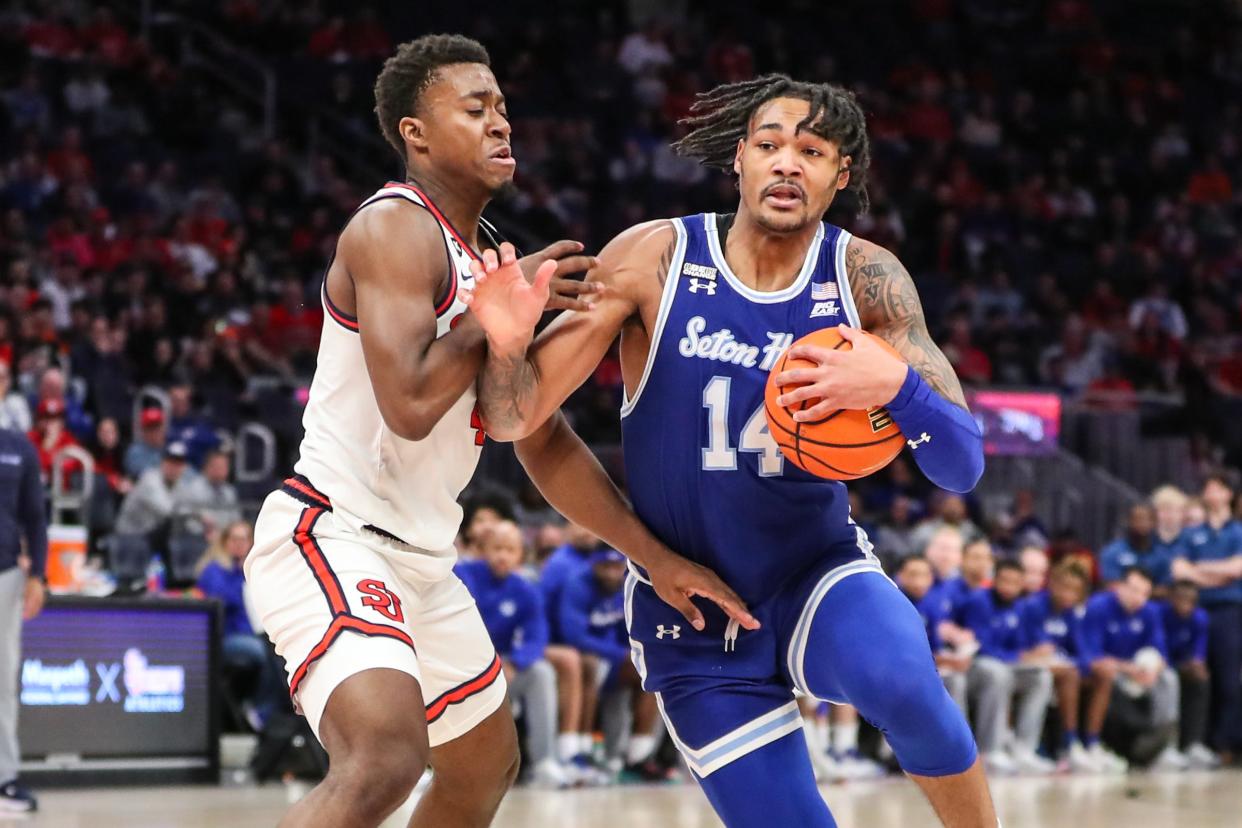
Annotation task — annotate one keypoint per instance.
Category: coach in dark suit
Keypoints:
(22, 517)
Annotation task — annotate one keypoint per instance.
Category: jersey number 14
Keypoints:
(719, 454)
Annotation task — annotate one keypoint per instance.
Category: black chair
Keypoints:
(129, 556)
(185, 550)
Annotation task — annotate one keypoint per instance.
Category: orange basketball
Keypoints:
(844, 445)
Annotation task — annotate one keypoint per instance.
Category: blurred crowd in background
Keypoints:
(1062, 178)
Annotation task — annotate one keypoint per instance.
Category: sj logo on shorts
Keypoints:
(376, 594)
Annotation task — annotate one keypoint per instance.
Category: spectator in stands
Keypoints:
(52, 390)
(243, 648)
(1034, 563)
(145, 452)
(22, 519)
(1170, 505)
(14, 410)
(949, 510)
(512, 611)
(893, 539)
(1007, 674)
(50, 436)
(1138, 547)
(1053, 619)
(480, 512)
(566, 561)
(944, 553)
(1186, 635)
(1213, 561)
(210, 496)
(914, 577)
(592, 619)
(1156, 305)
(154, 501)
(955, 593)
(111, 484)
(1066, 546)
(1125, 632)
(1027, 528)
(187, 427)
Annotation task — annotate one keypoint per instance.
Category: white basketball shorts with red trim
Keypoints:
(336, 602)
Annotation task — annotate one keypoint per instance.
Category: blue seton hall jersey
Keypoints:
(704, 473)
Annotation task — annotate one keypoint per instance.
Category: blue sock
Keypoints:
(1068, 738)
(1090, 739)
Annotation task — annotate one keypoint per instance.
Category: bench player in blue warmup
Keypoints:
(705, 305)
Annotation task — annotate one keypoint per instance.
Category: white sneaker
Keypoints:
(998, 763)
(1080, 760)
(1027, 761)
(825, 767)
(1106, 760)
(1201, 758)
(1170, 759)
(549, 775)
(853, 765)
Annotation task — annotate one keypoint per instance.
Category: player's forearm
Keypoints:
(945, 439)
(438, 377)
(572, 480)
(508, 389)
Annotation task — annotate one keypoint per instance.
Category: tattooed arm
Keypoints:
(889, 307)
(522, 385)
(922, 393)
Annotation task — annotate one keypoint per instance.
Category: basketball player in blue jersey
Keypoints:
(351, 571)
(705, 305)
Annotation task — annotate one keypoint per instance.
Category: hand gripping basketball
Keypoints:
(824, 403)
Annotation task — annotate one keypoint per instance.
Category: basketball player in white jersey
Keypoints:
(351, 570)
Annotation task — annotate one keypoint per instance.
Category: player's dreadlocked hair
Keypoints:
(721, 117)
(408, 73)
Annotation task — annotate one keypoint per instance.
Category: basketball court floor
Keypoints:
(1191, 800)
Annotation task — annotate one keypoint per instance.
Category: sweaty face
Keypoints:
(787, 178)
(462, 128)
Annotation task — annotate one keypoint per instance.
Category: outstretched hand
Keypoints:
(510, 294)
(503, 301)
(677, 580)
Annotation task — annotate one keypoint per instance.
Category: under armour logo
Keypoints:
(662, 631)
(923, 438)
(704, 285)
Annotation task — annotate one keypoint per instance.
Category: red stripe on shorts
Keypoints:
(339, 625)
(314, 557)
(464, 691)
(318, 497)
